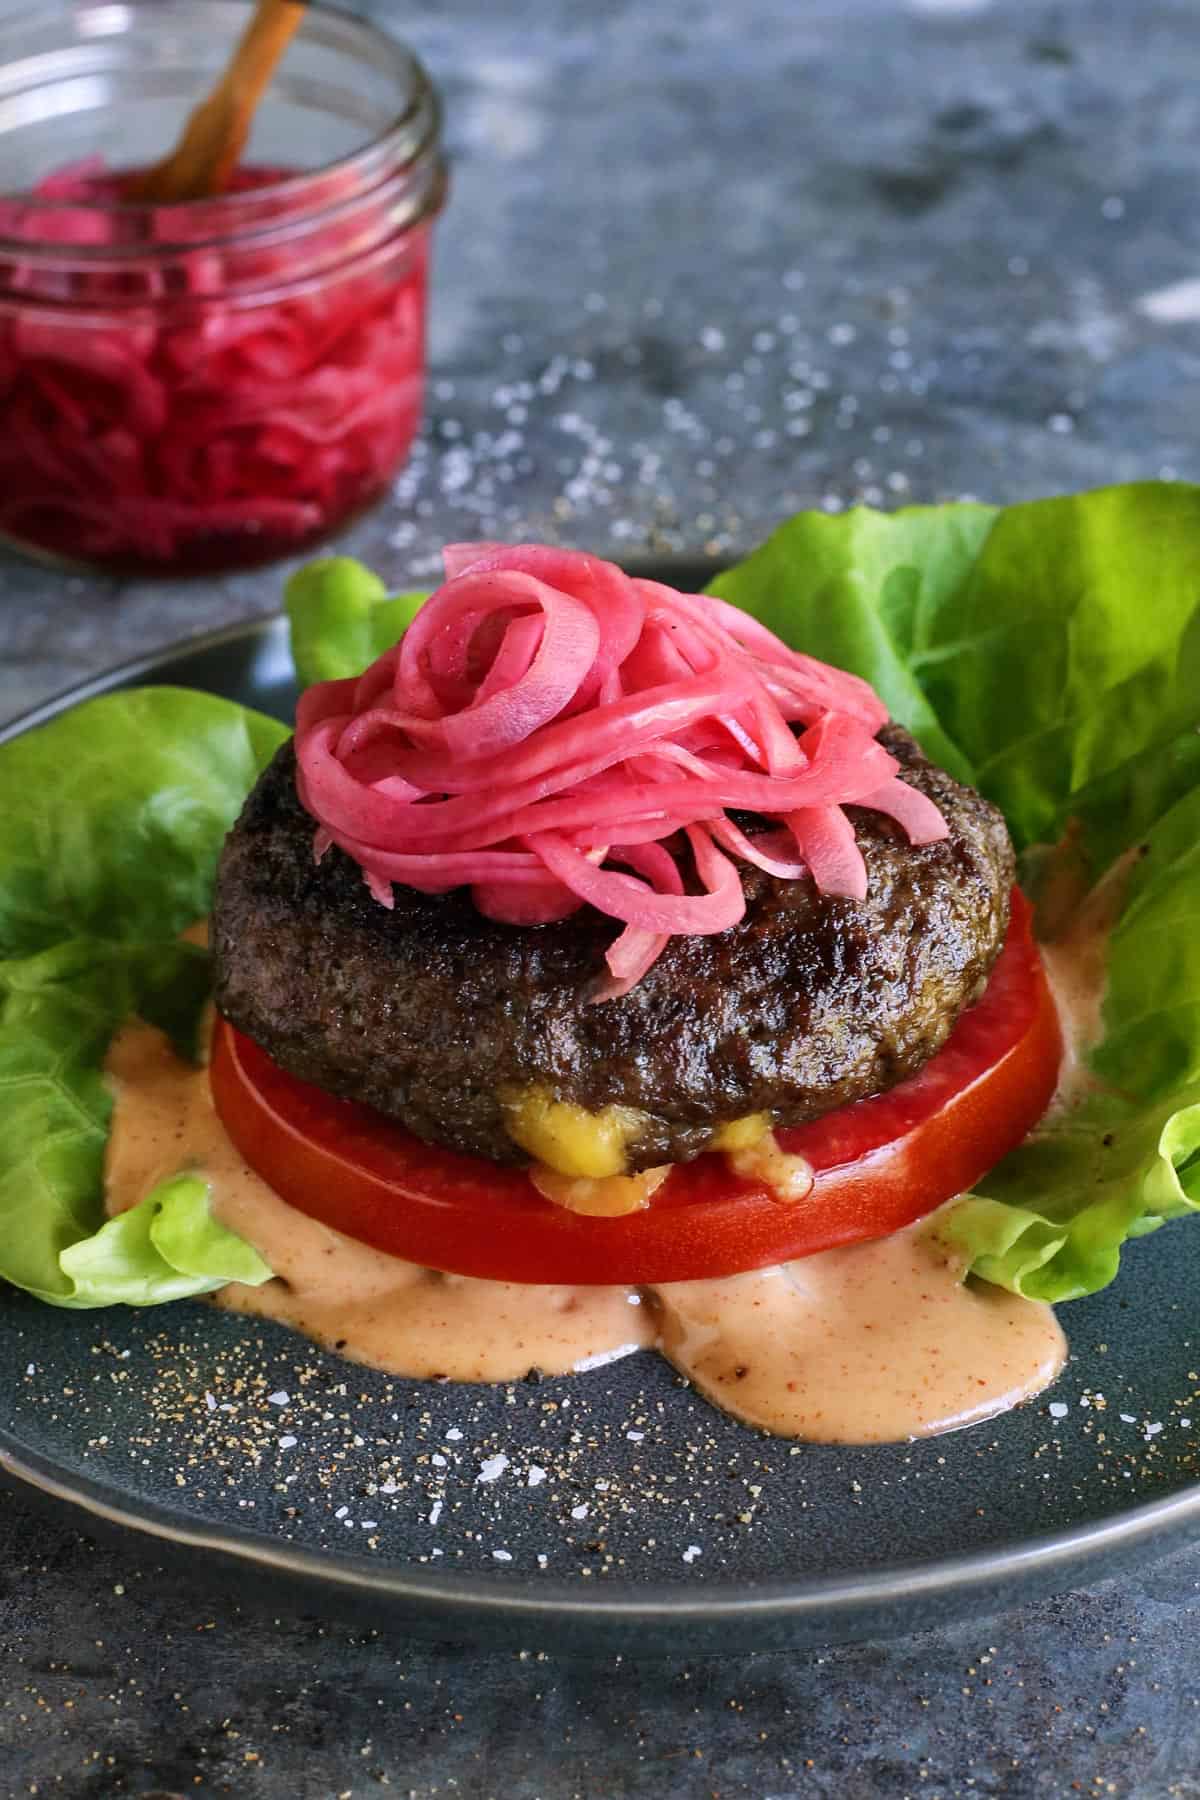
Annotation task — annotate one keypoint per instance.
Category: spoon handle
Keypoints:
(215, 135)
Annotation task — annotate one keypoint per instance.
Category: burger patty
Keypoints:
(438, 1016)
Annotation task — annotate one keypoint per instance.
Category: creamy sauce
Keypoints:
(878, 1342)
(869, 1344)
(374, 1308)
(1076, 964)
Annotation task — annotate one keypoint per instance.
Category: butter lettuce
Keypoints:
(111, 818)
(1047, 652)
(341, 618)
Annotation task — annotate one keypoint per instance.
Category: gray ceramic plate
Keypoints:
(616, 1505)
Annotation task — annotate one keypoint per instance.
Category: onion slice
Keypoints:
(552, 733)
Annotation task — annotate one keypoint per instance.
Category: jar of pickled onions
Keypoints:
(208, 384)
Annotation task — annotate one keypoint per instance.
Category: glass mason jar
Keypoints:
(214, 383)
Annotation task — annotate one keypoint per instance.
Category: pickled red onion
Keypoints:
(552, 733)
(156, 414)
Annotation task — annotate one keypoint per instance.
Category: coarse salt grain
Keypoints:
(535, 1476)
(691, 1553)
(579, 1512)
(502, 1555)
(1058, 1409)
(435, 1512)
(602, 1358)
(287, 1443)
(279, 1399)
(492, 1468)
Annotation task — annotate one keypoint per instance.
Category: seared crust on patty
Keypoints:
(431, 1012)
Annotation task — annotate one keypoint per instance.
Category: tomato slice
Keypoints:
(879, 1164)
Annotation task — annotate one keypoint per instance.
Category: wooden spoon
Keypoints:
(215, 135)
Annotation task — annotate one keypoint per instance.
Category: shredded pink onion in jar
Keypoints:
(181, 429)
(554, 733)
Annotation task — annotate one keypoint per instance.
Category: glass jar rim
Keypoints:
(270, 235)
(140, 308)
(423, 106)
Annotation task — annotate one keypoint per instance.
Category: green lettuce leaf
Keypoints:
(111, 819)
(168, 1247)
(875, 593)
(1051, 654)
(341, 618)
(112, 815)
(1050, 1219)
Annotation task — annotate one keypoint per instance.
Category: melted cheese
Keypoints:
(606, 1198)
(741, 1134)
(568, 1138)
(788, 1177)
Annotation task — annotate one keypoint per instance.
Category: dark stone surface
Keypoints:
(109, 1691)
(701, 267)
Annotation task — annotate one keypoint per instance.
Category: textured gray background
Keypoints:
(701, 266)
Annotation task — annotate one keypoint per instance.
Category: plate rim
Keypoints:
(1042, 1561)
(623, 1601)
